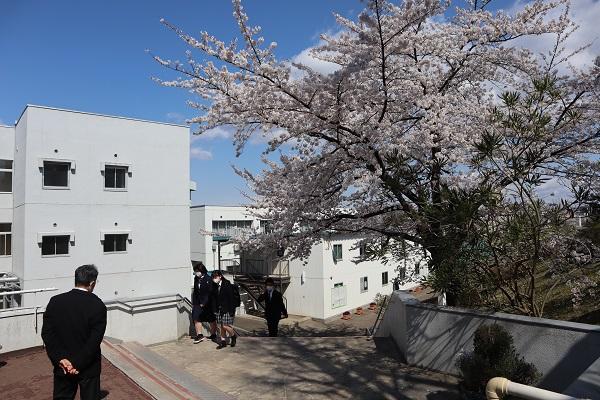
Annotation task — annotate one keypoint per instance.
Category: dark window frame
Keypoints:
(46, 170)
(115, 243)
(6, 239)
(6, 170)
(56, 244)
(119, 170)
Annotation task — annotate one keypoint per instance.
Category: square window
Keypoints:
(384, 278)
(115, 177)
(55, 245)
(5, 239)
(337, 252)
(115, 243)
(56, 174)
(364, 284)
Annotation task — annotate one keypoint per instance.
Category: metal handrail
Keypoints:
(27, 291)
(379, 315)
(497, 388)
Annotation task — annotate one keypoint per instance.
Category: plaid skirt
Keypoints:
(224, 318)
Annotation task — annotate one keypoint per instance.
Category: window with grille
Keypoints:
(384, 278)
(5, 239)
(6, 173)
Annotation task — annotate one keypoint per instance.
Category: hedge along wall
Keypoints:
(434, 337)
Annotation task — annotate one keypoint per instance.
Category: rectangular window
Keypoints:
(362, 249)
(6, 172)
(384, 278)
(115, 177)
(337, 252)
(55, 245)
(5, 239)
(56, 174)
(364, 284)
(115, 243)
(231, 227)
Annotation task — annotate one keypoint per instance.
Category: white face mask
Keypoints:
(269, 288)
(216, 281)
(198, 274)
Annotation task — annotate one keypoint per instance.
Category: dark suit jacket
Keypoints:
(203, 288)
(74, 325)
(223, 301)
(274, 305)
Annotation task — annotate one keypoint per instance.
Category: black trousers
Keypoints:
(273, 325)
(65, 387)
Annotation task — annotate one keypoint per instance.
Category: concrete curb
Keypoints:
(157, 376)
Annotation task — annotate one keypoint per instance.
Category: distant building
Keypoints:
(328, 283)
(79, 188)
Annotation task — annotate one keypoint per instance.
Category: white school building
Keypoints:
(328, 283)
(79, 188)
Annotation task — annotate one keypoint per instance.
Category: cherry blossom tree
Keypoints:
(409, 138)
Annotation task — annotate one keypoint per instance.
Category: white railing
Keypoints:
(497, 388)
(4, 296)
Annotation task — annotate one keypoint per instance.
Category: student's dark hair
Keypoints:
(199, 267)
(269, 281)
(217, 273)
(85, 275)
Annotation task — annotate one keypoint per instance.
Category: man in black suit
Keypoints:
(74, 325)
(274, 307)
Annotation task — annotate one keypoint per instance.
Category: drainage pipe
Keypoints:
(497, 388)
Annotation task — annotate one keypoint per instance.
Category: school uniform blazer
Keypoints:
(223, 299)
(274, 306)
(73, 328)
(203, 288)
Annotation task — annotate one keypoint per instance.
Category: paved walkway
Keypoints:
(304, 327)
(308, 368)
(27, 374)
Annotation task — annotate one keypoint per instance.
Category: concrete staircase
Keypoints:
(159, 377)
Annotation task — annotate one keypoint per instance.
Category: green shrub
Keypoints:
(494, 354)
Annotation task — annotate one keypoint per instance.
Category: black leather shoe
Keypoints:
(222, 345)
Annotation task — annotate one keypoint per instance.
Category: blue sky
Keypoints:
(90, 56)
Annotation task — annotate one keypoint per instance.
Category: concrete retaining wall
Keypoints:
(435, 337)
(150, 321)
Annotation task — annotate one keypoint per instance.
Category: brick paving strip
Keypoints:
(27, 374)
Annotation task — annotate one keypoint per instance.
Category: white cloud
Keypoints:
(215, 133)
(306, 58)
(199, 153)
(260, 137)
(586, 14)
(175, 117)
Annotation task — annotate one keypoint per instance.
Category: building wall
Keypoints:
(306, 296)
(435, 337)
(311, 281)
(202, 246)
(7, 146)
(154, 210)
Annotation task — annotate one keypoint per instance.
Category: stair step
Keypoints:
(160, 378)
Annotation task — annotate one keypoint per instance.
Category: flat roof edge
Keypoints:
(99, 115)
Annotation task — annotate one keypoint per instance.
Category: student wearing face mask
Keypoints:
(274, 307)
(224, 305)
(202, 309)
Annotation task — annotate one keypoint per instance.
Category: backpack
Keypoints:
(237, 301)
